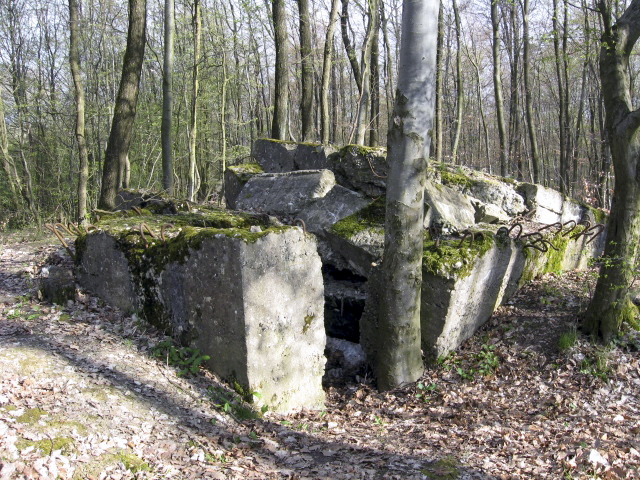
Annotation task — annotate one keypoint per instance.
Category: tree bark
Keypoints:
(351, 52)
(398, 356)
(497, 86)
(124, 113)
(306, 100)
(561, 105)
(192, 178)
(167, 98)
(439, 121)
(281, 93)
(326, 73)
(531, 126)
(459, 88)
(74, 62)
(611, 305)
(365, 90)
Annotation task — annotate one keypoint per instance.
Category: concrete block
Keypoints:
(253, 302)
(274, 155)
(361, 169)
(284, 194)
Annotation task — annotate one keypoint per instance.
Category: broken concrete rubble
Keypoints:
(253, 302)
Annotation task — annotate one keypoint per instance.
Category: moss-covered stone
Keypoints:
(455, 258)
(369, 218)
(455, 179)
(245, 171)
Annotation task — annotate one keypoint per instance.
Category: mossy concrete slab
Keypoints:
(274, 155)
(362, 169)
(235, 177)
(250, 297)
(284, 194)
(447, 207)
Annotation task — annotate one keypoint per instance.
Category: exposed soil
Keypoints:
(82, 396)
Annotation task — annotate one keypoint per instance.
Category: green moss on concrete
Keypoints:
(556, 256)
(455, 179)
(369, 218)
(447, 259)
(245, 171)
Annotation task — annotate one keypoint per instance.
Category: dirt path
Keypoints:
(81, 396)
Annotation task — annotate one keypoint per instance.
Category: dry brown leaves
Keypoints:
(81, 397)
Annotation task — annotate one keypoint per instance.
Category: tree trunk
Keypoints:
(365, 90)
(167, 98)
(398, 355)
(374, 80)
(611, 305)
(439, 121)
(561, 105)
(281, 93)
(459, 89)
(306, 100)
(192, 178)
(531, 126)
(74, 62)
(8, 165)
(497, 86)
(326, 73)
(124, 112)
(351, 52)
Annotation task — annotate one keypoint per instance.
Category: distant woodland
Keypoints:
(518, 91)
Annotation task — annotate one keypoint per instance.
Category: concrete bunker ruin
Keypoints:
(259, 289)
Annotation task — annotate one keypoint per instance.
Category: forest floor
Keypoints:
(82, 396)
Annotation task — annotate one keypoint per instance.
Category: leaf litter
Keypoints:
(82, 396)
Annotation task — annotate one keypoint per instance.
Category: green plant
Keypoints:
(567, 340)
(597, 365)
(187, 359)
(488, 360)
(426, 392)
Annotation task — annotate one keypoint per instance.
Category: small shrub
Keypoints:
(187, 359)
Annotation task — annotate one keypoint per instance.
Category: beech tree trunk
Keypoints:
(497, 86)
(439, 121)
(531, 126)
(281, 92)
(459, 91)
(74, 63)
(611, 305)
(124, 112)
(306, 100)
(193, 177)
(167, 98)
(364, 102)
(326, 73)
(398, 357)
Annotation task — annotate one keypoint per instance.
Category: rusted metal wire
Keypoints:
(533, 234)
(54, 229)
(542, 247)
(63, 227)
(467, 234)
(571, 229)
(74, 229)
(587, 227)
(170, 225)
(558, 225)
(435, 235)
(519, 225)
(302, 224)
(143, 227)
(593, 236)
